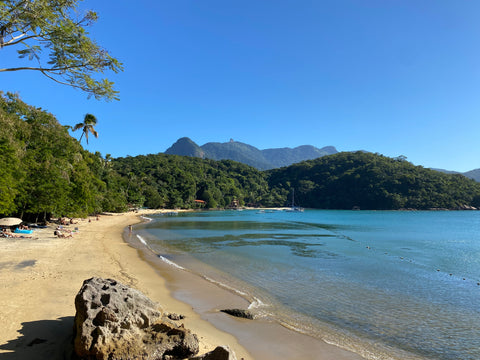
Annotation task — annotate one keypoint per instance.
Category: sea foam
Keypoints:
(171, 263)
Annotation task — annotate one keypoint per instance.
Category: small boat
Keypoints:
(294, 208)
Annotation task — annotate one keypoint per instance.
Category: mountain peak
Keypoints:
(185, 147)
(248, 154)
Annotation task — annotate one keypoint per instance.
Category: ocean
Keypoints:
(386, 284)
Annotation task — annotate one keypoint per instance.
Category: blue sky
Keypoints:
(397, 77)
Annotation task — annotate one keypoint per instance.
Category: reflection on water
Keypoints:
(393, 281)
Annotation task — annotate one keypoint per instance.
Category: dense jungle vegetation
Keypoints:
(372, 181)
(44, 171)
(174, 181)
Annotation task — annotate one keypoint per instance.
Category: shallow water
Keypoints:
(393, 283)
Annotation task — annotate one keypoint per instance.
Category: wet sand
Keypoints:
(40, 277)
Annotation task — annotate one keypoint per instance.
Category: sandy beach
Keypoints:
(40, 276)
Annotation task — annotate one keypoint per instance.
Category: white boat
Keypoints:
(294, 208)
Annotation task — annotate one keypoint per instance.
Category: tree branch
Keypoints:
(54, 25)
(64, 83)
(22, 37)
(51, 70)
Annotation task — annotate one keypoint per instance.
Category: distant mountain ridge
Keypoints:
(261, 159)
(268, 158)
(472, 174)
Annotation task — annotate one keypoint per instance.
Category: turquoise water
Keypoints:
(404, 284)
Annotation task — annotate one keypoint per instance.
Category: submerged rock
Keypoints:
(114, 321)
(246, 314)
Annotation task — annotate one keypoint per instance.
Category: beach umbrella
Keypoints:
(10, 221)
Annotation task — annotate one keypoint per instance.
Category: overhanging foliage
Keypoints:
(52, 34)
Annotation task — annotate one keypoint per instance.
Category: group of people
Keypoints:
(66, 221)
(60, 230)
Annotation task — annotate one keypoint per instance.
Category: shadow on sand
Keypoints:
(43, 339)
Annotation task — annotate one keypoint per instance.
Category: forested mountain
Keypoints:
(236, 151)
(44, 171)
(171, 181)
(371, 181)
(185, 147)
(248, 154)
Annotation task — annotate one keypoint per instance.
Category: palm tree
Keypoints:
(87, 126)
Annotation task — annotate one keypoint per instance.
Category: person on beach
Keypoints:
(7, 233)
(62, 235)
(130, 228)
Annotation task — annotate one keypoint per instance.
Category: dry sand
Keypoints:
(40, 277)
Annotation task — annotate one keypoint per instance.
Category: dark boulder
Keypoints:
(174, 316)
(246, 314)
(219, 353)
(114, 321)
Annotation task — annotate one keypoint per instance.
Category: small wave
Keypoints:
(146, 218)
(169, 262)
(256, 303)
(142, 240)
(225, 286)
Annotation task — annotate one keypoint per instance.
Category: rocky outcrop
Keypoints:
(114, 321)
(466, 207)
(239, 313)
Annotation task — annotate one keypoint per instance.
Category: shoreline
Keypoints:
(264, 339)
(40, 276)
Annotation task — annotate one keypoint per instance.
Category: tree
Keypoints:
(87, 127)
(52, 26)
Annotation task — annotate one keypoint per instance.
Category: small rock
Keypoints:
(246, 314)
(175, 317)
(219, 353)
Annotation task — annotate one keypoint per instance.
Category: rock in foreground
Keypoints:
(114, 321)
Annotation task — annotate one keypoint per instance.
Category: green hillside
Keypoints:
(371, 181)
(172, 181)
(44, 172)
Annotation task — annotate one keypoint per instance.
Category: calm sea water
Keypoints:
(405, 284)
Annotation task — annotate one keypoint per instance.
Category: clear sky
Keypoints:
(397, 77)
